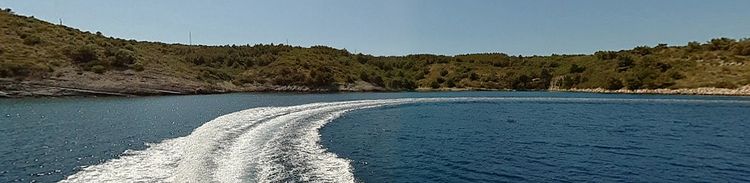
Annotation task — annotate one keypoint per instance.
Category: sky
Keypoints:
(401, 27)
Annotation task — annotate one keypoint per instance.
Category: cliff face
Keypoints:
(42, 59)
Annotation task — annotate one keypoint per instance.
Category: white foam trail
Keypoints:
(267, 144)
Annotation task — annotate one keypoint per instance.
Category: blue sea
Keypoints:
(377, 137)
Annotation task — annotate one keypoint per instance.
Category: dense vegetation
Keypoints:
(32, 49)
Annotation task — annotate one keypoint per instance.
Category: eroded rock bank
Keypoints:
(57, 87)
(741, 91)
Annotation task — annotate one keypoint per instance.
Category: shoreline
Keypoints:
(39, 90)
(740, 91)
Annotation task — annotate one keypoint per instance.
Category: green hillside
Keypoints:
(47, 54)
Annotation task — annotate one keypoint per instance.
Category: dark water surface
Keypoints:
(546, 141)
(48, 139)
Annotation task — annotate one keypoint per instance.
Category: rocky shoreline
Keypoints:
(51, 88)
(741, 91)
(61, 88)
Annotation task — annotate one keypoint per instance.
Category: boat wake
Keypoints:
(267, 144)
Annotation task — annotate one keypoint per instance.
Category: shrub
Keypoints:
(375, 79)
(286, 77)
(138, 66)
(22, 69)
(642, 50)
(574, 68)
(32, 40)
(721, 43)
(605, 55)
(633, 83)
(123, 58)
(400, 83)
(725, 84)
(614, 84)
(440, 80)
(208, 73)
(434, 84)
(99, 69)
(741, 49)
(624, 63)
(450, 82)
(473, 76)
(320, 77)
(443, 72)
(693, 46)
(84, 54)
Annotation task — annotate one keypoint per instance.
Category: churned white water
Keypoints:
(267, 144)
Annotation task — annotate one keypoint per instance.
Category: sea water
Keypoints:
(376, 137)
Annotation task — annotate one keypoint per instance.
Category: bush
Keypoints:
(434, 84)
(443, 72)
(400, 83)
(123, 58)
(209, 74)
(99, 69)
(32, 40)
(574, 68)
(725, 84)
(473, 76)
(693, 46)
(614, 84)
(720, 44)
(450, 83)
(375, 79)
(605, 55)
(320, 77)
(642, 50)
(633, 83)
(22, 69)
(138, 66)
(84, 54)
(624, 63)
(742, 49)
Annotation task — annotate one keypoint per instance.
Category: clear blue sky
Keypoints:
(399, 27)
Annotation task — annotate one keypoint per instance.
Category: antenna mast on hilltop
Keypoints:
(190, 38)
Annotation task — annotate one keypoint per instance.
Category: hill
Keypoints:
(38, 58)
